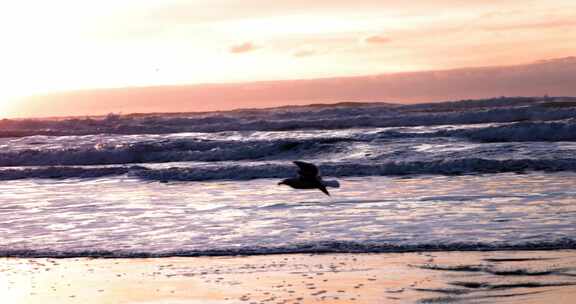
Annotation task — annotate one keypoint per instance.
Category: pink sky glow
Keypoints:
(163, 55)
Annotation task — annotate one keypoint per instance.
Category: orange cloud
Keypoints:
(376, 39)
(243, 47)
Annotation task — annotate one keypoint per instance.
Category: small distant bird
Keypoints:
(309, 178)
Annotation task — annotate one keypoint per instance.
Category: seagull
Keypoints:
(309, 178)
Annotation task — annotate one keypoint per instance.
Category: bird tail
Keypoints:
(323, 189)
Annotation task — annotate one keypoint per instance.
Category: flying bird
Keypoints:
(309, 178)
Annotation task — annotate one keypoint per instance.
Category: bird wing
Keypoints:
(307, 170)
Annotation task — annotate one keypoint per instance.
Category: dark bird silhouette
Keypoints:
(309, 178)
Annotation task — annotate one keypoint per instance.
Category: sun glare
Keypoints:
(8, 108)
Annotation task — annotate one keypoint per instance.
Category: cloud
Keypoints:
(376, 39)
(528, 19)
(570, 60)
(305, 52)
(538, 25)
(243, 47)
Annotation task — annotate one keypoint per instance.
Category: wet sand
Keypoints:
(427, 277)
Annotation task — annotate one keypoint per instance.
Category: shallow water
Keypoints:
(128, 216)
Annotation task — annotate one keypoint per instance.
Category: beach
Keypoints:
(421, 277)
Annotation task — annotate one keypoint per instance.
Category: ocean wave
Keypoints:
(172, 150)
(519, 132)
(439, 167)
(526, 131)
(256, 170)
(303, 118)
(265, 146)
(320, 247)
(63, 172)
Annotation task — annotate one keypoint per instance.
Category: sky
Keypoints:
(63, 45)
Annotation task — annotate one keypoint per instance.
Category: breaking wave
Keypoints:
(245, 148)
(519, 132)
(309, 248)
(248, 171)
(448, 167)
(170, 151)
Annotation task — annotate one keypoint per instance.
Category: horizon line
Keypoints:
(317, 105)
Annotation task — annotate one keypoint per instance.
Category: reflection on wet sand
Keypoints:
(437, 277)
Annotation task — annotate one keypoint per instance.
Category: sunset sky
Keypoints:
(62, 45)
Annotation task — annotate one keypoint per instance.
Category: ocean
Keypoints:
(494, 174)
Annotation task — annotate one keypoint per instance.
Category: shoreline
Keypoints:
(537, 276)
(224, 254)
